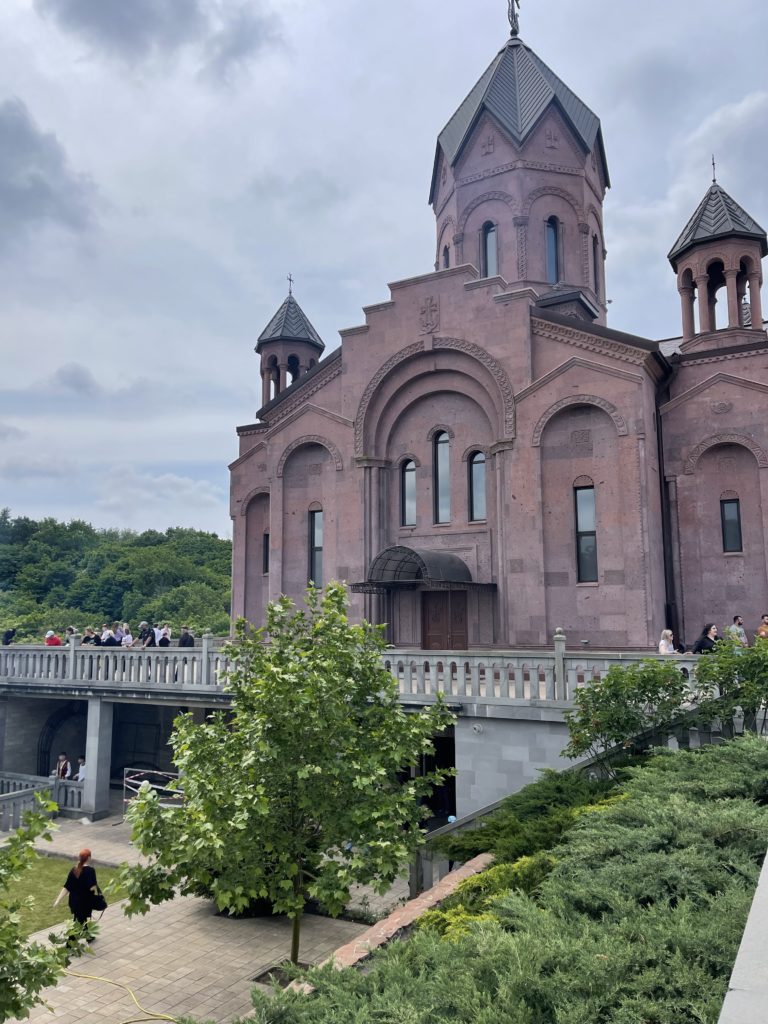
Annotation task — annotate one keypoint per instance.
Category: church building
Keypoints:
(485, 459)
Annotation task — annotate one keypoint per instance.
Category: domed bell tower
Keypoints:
(720, 248)
(518, 183)
(289, 347)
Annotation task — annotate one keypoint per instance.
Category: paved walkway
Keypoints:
(181, 958)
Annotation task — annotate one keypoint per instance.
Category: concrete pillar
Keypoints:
(561, 683)
(733, 298)
(687, 300)
(264, 386)
(755, 302)
(705, 318)
(98, 758)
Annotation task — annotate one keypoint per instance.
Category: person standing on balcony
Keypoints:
(186, 639)
(667, 642)
(736, 632)
(8, 636)
(762, 629)
(80, 773)
(127, 640)
(706, 642)
(82, 886)
(51, 640)
(63, 769)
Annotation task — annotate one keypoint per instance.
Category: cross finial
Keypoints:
(290, 284)
(714, 170)
(514, 17)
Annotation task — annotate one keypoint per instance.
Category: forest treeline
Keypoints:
(54, 575)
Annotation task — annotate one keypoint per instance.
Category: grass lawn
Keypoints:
(44, 881)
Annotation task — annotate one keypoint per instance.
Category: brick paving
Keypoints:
(181, 958)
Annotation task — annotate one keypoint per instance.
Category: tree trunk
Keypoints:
(298, 885)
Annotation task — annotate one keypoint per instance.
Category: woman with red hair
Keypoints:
(82, 887)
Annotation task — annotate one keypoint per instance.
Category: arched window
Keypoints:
(476, 486)
(596, 264)
(316, 547)
(446, 258)
(441, 467)
(274, 377)
(489, 255)
(408, 493)
(553, 250)
(293, 368)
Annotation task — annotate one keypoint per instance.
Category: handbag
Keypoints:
(98, 902)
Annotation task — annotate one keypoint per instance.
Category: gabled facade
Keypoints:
(483, 459)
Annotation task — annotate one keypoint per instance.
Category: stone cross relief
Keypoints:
(488, 144)
(429, 320)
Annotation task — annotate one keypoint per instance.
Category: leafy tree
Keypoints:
(297, 793)
(26, 968)
(628, 701)
(733, 681)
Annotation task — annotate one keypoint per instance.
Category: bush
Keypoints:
(638, 919)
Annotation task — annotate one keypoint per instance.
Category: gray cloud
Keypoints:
(226, 34)
(37, 185)
(38, 468)
(76, 378)
(10, 433)
(131, 30)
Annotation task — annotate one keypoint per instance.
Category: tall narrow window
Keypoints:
(265, 553)
(586, 535)
(408, 493)
(316, 548)
(442, 477)
(596, 264)
(553, 250)
(477, 486)
(489, 256)
(730, 520)
(446, 258)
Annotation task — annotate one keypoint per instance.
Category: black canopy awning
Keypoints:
(406, 568)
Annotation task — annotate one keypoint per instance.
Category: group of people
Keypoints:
(63, 769)
(119, 634)
(710, 636)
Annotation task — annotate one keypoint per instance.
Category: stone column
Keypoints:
(264, 386)
(733, 298)
(705, 312)
(98, 758)
(755, 303)
(584, 232)
(687, 299)
(521, 223)
(282, 380)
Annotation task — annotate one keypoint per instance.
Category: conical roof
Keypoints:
(516, 90)
(290, 323)
(717, 216)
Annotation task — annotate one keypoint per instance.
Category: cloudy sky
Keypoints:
(165, 163)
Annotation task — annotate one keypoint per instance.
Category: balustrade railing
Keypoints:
(17, 796)
(490, 676)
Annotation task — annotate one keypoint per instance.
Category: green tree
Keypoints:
(302, 789)
(628, 701)
(26, 968)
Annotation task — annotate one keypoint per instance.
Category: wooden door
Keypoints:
(444, 620)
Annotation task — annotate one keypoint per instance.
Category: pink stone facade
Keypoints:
(504, 351)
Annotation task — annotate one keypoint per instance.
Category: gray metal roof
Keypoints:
(516, 90)
(717, 216)
(290, 323)
(400, 564)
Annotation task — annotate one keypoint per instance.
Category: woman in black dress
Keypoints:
(81, 885)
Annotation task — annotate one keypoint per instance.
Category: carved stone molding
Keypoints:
(602, 403)
(311, 439)
(429, 315)
(556, 332)
(495, 369)
(521, 223)
(503, 197)
(551, 190)
(456, 344)
(373, 385)
(710, 442)
(255, 493)
(584, 232)
(720, 408)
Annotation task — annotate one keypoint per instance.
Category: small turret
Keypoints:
(289, 347)
(721, 246)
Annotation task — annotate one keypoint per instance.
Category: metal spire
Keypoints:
(514, 16)
(714, 170)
